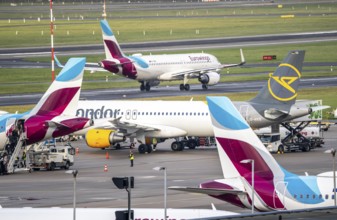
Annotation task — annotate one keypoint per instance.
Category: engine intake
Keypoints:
(99, 138)
(209, 78)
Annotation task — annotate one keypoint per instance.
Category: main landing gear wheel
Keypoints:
(147, 87)
(183, 87)
(142, 149)
(191, 144)
(142, 87)
(177, 146)
(149, 148)
(204, 86)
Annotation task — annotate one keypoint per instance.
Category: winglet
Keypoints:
(243, 61)
(58, 63)
(213, 207)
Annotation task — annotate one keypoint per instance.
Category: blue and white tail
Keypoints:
(111, 46)
(236, 142)
(62, 96)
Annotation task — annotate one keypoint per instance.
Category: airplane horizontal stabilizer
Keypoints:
(319, 108)
(208, 191)
(274, 113)
(54, 124)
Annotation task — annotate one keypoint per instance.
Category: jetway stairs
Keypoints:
(19, 148)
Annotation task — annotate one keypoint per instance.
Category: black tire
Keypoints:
(306, 148)
(36, 169)
(118, 146)
(192, 144)
(142, 148)
(147, 87)
(181, 147)
(67, 166)
(176, 146)
(182, 87)
(52, 166)
(280, 149)
(187, 87)
(149, 148)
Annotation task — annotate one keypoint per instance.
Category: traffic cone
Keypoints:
(107, 155)
(105, 168)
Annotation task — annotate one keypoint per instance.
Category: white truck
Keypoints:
(50, 156)
(272, 141)
(276, 142)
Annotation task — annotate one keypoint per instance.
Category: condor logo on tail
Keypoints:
(285, 86)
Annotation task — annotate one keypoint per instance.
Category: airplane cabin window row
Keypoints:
(167, 113)
(307, 196)
(179, 63)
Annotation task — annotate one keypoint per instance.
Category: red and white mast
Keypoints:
(52, 40)
(104, 11)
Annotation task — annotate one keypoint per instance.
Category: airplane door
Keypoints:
(134, 114)
(10, 122)
(279, 195)
(244, 111)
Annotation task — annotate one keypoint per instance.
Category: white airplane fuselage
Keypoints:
(163, 67)
(172, 118)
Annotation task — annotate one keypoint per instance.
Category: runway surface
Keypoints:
(133, 93)
(195, 44)
(187, 168)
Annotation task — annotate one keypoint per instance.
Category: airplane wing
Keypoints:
(92, 67)
(209, 191)
(195, 73)
(132, 128)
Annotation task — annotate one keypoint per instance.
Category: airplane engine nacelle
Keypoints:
(99, 138)
(209, 78)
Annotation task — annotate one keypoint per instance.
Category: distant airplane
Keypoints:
(54, 114)
(152, 69)
(146, 120)
(252, 177)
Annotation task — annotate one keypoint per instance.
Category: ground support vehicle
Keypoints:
(294, 140)
(50, 156)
